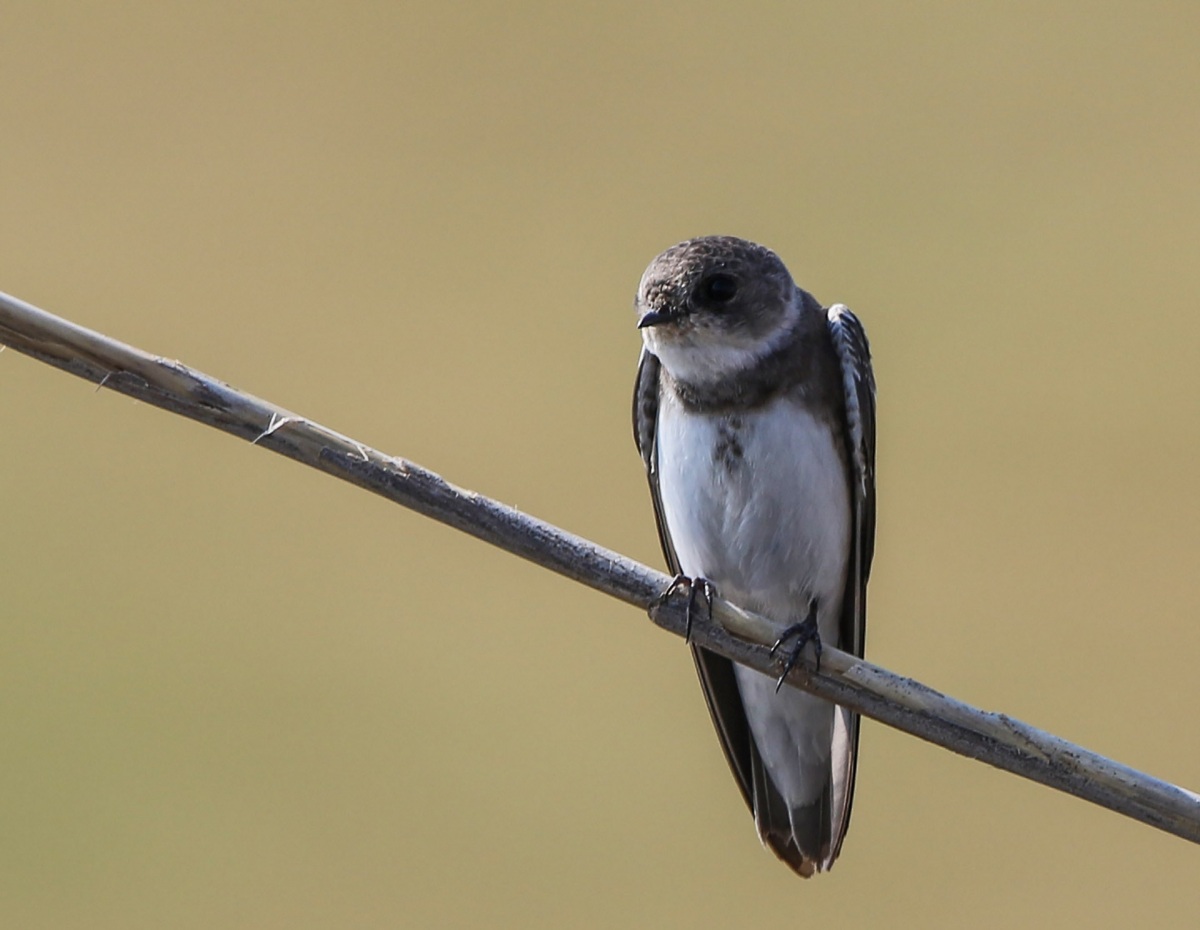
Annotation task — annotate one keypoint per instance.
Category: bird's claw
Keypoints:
(803, 633)
(697, 588)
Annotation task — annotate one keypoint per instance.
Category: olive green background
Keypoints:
(236, 693)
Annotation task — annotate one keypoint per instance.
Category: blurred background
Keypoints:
(237, 693)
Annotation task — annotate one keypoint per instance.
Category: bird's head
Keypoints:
(711, 307)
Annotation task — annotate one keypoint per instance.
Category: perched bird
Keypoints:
(754, 412)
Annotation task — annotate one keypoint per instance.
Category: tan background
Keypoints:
(235, 693)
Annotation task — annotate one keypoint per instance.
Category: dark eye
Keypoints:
(718, 288)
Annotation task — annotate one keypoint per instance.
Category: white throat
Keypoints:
(703, 358)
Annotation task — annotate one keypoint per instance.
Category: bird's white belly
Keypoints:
(758, 503)
(770, 528)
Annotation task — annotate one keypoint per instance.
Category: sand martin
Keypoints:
(754, 412)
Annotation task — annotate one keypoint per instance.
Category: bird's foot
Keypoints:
(803, 633)
(697, 588)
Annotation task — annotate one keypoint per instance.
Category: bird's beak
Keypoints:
(655, 318)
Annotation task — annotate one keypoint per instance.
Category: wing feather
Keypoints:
(716, 672)
(858, 389)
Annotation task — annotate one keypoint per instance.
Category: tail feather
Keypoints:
(800, 836)
(809, 837)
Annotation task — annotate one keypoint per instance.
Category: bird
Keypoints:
(754, 414)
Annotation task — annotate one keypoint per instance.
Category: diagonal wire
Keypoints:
(900, 702)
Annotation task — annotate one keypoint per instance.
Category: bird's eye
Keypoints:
(719, 288)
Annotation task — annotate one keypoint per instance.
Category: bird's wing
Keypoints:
(716, 672)
(858, 389)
